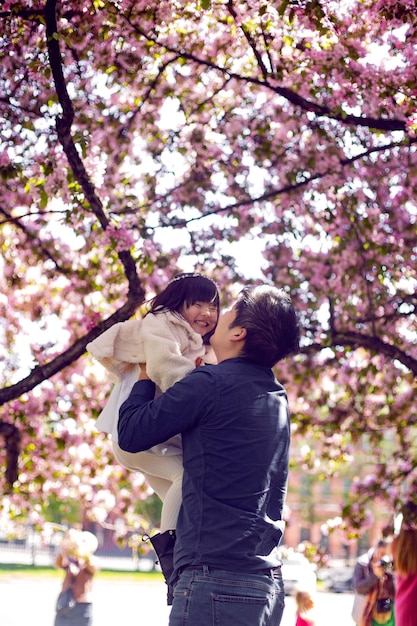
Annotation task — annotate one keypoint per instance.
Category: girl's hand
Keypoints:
(143, 375)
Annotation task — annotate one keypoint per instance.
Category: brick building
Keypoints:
(312, 502)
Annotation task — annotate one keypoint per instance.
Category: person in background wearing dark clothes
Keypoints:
(367, 573)
(235, 426)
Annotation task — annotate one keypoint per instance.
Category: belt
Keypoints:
(203, 568)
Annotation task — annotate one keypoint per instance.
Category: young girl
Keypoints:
(172, 339)
(305, 606)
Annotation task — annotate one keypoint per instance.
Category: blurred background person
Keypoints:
(365, 579)
(77, 560)
(379, 607)
(305, 609)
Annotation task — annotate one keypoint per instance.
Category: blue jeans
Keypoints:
(81, 615)
(279, 599)
(206, 596)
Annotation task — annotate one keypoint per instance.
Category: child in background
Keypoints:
(305, 607)
(172, 339)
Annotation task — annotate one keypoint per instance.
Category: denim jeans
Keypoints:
(81, 615)
(279, 600)
(206, 596)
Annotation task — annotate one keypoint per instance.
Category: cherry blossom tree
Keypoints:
(139, 139)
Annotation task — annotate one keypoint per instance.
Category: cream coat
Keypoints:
(164, 341)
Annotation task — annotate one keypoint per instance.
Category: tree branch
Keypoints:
(273, 193)
(250, 41)
(33, 240)
(64, 122)
(43, 372)
(12, 439)
(288, 94)
(63, 125)
(136, 293)
(377, 345)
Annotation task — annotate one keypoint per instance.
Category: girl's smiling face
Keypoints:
(201, 316)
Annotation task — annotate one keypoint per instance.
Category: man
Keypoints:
(235, 427)
(367, 573)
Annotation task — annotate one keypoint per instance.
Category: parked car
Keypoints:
(298, 574)
(340, 580)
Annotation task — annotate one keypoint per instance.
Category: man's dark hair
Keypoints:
(270, 320)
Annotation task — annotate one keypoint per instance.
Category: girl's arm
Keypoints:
(119, 346)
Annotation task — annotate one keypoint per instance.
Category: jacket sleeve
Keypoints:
(145, 422)
(164, 348)
(364, 580)
(119, 345)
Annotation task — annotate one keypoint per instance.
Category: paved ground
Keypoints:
(25, 600)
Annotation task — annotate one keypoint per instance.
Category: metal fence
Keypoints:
(31, 548)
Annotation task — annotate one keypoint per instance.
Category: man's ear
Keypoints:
(238, 333)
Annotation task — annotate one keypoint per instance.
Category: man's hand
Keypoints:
(143, 375)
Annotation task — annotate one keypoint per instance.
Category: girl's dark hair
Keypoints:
(270, 320)
(186, 288)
